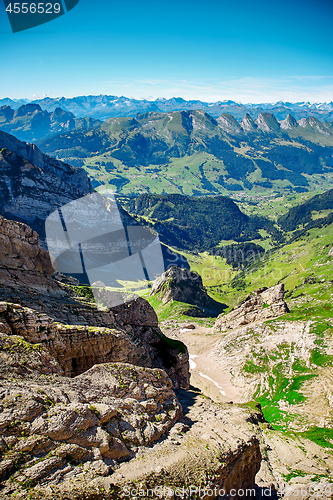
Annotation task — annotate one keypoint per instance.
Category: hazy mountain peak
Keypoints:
(248, 124)
(267, 122)
(312, 123)
(26, 109)
(229, 124)
(6, 112)
(289, 122)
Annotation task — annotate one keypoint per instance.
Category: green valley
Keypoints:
(191, 153)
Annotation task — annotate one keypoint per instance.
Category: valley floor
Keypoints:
(294, 459)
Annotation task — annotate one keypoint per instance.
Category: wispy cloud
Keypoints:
(296, 88)
(249, 89)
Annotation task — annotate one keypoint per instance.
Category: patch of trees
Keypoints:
(302, 214)
(240, 255)
(198, 223)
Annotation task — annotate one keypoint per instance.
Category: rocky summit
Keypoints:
(186, 286)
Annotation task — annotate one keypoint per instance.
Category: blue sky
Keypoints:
(248, 51)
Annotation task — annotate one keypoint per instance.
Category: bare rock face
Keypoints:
(85, 336)
(248, 125)
(289, 123)
(22, 261)
(267, 122)
(262, 304)
(76, 348)
(58, 425)
(228, 123)
(186, 286)
(212, 448)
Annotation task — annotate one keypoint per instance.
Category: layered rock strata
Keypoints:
(262, 304)
(86, 336)
(73, 439)
(56, 427)
(78, 347)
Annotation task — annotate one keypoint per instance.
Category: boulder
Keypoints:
(262, 304)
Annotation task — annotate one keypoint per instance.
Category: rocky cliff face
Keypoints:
(263, 304)
(77, 348)
(33, 185)
(56, 428)
(82, 398)
(23, 261)
(186, 286)
(89, 337)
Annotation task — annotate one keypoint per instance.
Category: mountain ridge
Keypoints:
(30, 122)
(192, 153)
(105, 106)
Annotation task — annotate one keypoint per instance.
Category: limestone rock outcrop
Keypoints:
(267, 122)
(76, 348)
(85, 335)
(74, 438)
(248, 125)
(22, 260)
(229, 124)
(186, 286)
(218, 450)
(50, 427)
(289, 123)
(262, 304)
(331, 252)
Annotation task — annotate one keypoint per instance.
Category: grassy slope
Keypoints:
(287, 382)
(182, 175)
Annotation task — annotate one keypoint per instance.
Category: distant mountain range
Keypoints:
(189, 152)
(106, 106)
(30, 122)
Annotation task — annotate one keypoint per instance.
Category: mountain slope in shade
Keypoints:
(33, 185)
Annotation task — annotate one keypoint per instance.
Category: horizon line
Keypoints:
(29, 100)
